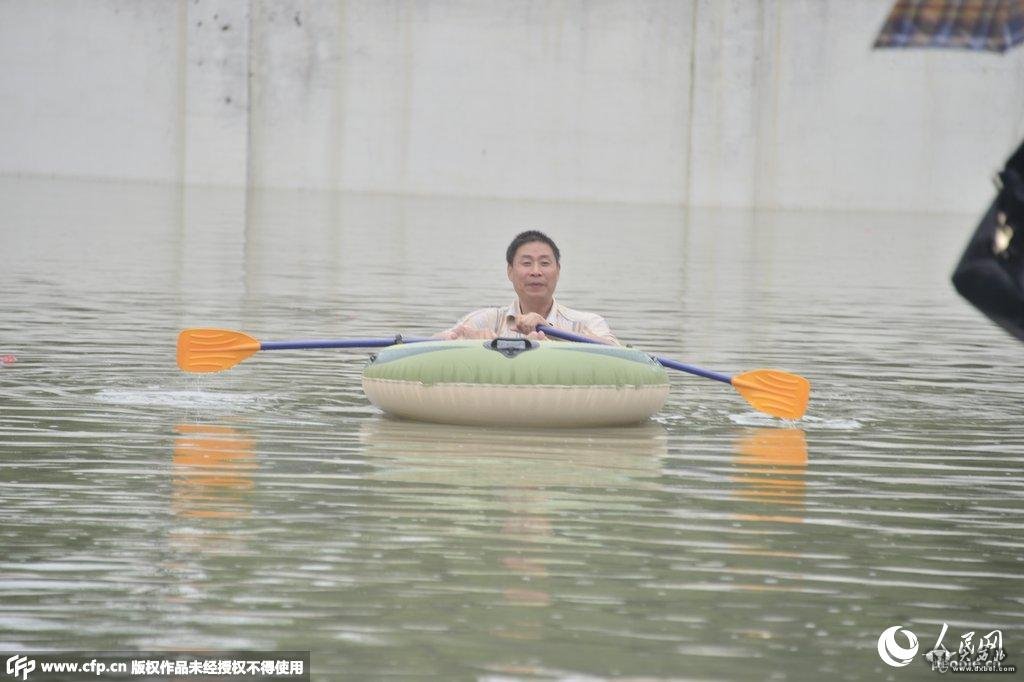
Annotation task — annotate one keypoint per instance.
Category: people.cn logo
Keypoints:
(893, 653)
(20, 665)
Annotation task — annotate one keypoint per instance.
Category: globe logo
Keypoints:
(891, 652)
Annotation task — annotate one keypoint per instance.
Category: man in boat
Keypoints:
(534, 263)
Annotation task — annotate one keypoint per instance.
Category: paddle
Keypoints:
(214, 350)
(772, 391)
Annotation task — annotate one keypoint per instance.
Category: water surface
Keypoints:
(271, 507)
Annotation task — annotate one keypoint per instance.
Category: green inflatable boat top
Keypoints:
(516, 362)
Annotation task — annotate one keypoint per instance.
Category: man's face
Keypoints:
(534, 272)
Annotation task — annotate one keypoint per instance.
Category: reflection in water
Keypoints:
(526, 527)
(537, 458)
(211, 483)
(212, 473)
(534, 477)
(772, 465)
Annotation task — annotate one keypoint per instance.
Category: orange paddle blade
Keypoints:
(213, 350)
(775, 392)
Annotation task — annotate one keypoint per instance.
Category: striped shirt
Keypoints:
(502, 321)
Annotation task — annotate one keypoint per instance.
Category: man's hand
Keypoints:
(527, 325)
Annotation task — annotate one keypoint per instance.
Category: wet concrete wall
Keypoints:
(770, 103)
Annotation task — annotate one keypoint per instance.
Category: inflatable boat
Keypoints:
(516, 382)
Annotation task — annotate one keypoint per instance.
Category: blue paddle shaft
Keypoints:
(340, 343)
(682, 366)
(547, 329)
(665, 362)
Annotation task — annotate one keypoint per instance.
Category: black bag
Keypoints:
(990, 274)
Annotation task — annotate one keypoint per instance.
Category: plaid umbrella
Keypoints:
(992, 25)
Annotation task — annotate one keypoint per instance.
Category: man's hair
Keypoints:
(526, 238)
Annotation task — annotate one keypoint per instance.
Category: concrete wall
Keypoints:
(763, 103)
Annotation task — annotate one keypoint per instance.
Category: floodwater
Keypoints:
(271, 507)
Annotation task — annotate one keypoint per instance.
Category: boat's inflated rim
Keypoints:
(516, 381)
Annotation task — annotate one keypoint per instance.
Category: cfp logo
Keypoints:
(20, 665)
(891, 652)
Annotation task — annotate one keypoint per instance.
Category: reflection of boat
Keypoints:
(527, 482)
(212, 471)
(772, 464)
(514, 457)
